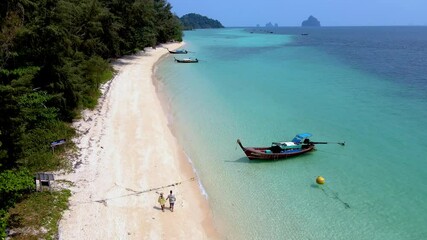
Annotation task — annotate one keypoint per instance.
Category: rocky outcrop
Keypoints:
(311, 22)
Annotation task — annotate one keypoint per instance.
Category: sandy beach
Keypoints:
(127, 156)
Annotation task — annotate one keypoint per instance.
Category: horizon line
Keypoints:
(408, 25)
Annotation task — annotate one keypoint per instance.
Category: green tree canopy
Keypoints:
(195, 21)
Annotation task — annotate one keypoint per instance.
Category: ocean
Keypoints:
(366, 86)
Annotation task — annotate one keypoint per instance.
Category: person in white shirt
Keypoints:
(172, 200)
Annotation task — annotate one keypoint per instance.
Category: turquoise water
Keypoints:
(268, 87)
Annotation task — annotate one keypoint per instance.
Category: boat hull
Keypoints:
(178, 52)
(187, 61)
(262, 153)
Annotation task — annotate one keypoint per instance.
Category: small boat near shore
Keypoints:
(187, 60)
(179, 51)
(299, 145)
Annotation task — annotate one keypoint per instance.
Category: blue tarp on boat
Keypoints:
(300, 137)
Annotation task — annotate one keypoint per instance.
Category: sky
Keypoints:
(245, 13)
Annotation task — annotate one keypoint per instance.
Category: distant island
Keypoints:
(270, 25)
(310, 22)
(196, 21)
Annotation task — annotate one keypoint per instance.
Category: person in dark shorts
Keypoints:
(172, 200)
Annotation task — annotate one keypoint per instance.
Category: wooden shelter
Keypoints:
(43, 180)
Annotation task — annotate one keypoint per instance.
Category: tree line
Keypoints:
(54, 54)
(192, 21)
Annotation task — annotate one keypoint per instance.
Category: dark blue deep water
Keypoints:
(396, 53)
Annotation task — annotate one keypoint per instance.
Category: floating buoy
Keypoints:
(320, 180)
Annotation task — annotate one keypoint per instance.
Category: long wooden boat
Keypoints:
(187, 60)
(300, 144)
(179, 51)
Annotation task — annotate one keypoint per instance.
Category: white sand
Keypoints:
(126, 149)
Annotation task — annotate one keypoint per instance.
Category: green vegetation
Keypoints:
(195, 21)
(54, 55)
(37, 217)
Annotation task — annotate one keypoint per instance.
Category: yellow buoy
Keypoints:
(320, 180)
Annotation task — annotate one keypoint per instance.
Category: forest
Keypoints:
(54, 55)
(196, 21)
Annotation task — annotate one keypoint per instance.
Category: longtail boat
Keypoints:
(187, 60)
(300, 144)
(179, 51)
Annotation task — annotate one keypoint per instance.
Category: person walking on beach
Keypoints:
(172, 200)
(162, 201)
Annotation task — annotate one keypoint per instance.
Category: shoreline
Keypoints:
(127, 155)
(165, 104)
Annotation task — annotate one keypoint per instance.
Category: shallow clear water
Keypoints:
(268, 87)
